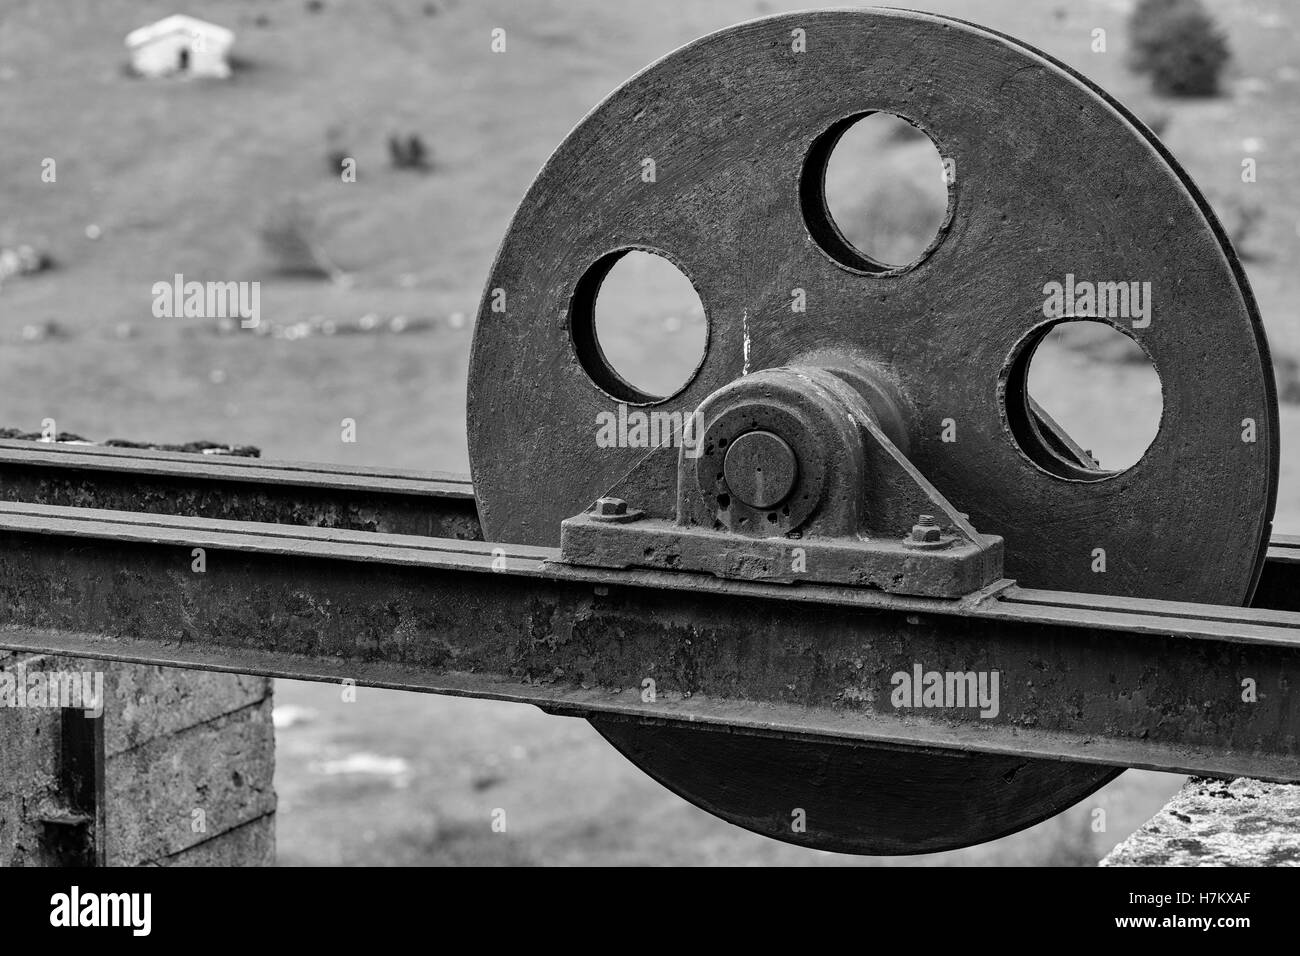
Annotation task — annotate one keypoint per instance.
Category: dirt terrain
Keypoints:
(165, 177)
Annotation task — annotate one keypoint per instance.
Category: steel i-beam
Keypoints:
(1080, 678)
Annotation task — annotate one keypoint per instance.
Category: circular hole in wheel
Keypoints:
(1083, 399)
(874, 192)
(638, 326)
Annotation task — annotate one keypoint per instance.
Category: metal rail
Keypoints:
(462, 617)
(334, 496)
(434, 504)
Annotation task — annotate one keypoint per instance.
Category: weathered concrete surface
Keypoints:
(252, 844)
(184, 788)
(150, 702)
(185, 771)
(29, 782)
(1219, 823)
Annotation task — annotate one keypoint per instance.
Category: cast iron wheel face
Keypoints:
(1051, 178)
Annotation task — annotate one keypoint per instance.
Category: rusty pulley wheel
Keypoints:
(1051, 178)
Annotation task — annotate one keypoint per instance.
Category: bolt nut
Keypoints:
(926, 533)
(614, 511)
(926, 529)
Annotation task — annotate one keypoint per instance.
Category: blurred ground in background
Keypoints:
(176, 177)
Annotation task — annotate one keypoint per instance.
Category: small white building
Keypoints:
(181, 46)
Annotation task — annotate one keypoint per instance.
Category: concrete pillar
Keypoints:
(1219, 823)
(177, 770)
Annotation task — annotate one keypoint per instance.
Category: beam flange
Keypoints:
(1081, 678)
(436, 504)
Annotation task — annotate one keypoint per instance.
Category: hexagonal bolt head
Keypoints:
(609, 507)
(926, 530)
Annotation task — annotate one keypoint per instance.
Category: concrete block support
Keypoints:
(1219, 823)
(176, 771)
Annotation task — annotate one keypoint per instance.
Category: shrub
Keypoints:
(1287, 372)
(336, 150)
(1241, 219)
(290, 236)
(1179, 45)
(335, 158)
(409, 152)
(893, 220)
(1158, 122)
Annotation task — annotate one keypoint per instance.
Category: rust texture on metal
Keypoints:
(360, 499)
(911, 421)
(760, 468)
(841, 497)
(772, 666)
(1052, 178)
(960, 567)
(946, 327)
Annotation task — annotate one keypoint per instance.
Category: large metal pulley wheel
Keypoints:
(1051, 178)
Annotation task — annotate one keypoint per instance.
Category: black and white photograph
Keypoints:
(612, 433)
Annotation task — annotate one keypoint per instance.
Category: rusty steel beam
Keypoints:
(437, 504)
(1104, 680)
(433, 504)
